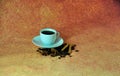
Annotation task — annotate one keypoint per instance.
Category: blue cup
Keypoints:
(48, 36)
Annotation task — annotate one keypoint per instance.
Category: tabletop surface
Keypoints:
(94, 26)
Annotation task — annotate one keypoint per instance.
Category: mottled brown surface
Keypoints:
(94, 25)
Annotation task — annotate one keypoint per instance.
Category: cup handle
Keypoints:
(57, 35)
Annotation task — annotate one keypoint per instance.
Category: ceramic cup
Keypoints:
(48, 36)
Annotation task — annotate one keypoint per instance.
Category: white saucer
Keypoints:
(37, 41)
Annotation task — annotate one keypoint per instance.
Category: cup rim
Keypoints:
(48, 29)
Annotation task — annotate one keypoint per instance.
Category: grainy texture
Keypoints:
(93, 25)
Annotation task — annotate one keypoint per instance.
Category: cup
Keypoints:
(48, 36)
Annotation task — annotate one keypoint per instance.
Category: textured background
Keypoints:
(94, 25)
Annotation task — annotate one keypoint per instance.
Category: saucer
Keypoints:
(37, 41)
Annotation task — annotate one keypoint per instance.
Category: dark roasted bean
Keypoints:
(76, 50)
(59, 57)
(62, 51)
(70, 55)
(37, 50)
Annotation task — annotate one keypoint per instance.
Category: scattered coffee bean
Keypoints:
(73, 47)
(62, 51)
(37, 50)
(59, 57)
(70, 55)
(76, 50)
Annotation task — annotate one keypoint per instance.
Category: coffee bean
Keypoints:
(73, 47)
(70, 55)
(76, 50)
(52, 55)
(59, 57)
(37, 50)
(62, 51)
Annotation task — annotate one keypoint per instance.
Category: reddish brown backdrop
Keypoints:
(94, 25)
